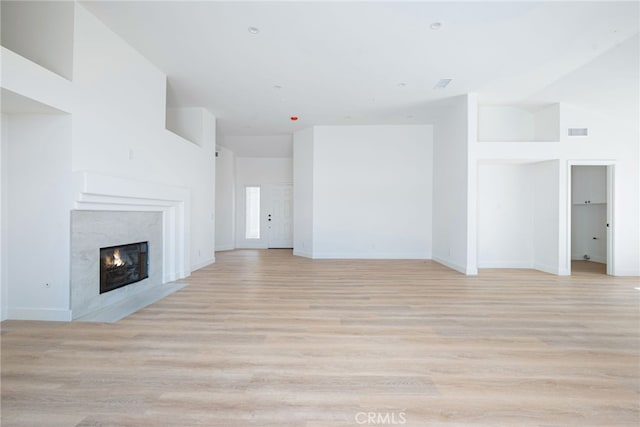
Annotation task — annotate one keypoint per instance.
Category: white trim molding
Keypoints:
(203, 264)
(453, 266)
(44, 314)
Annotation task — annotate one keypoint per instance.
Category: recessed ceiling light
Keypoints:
(402, 84)
(253, 30)
(435, 25)
(442, 83)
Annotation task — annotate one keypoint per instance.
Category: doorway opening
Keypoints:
(591, 211)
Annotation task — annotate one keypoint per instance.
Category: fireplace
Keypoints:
(123, 265)
(93, 230)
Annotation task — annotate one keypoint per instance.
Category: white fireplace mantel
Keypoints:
(94, 191)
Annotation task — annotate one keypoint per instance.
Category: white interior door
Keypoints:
(280, 216)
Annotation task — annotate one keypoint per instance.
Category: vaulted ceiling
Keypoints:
(256, 64)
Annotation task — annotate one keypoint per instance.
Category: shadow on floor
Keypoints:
(588, 267)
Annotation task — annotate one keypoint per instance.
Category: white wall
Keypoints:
(34, 88)
(546, 216)
(203, 187)
(546, 123)
(186, 122)
(504, 123)
(39, 199)
(4, 210)
(116, 131)
(372, 191)
(611, 113)
(303, 193)
(225, 199)
(451, 163)
(609, 142)
(258, 171)
(505, 216)
(41, 31)
(119, 114)
(518, 124)
(518, 215)
(270, 146)
(119, 127)
(587, 222)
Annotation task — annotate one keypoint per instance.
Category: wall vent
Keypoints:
(442, 83)
(578, 132)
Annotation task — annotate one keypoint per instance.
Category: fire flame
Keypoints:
(116, 261)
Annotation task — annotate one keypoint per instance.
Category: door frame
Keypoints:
(610, 197)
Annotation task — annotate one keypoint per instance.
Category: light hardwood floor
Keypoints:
(266, 339)
(581, 267)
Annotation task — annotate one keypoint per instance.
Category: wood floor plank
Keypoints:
(263, 338)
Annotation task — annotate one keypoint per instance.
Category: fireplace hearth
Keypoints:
(123, 265)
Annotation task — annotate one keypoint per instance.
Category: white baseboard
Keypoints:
(369, 255)
(175, 276)
(302, 254)
(49, 314)
(252, 246)
(202, 264)
(627, 272)
(224, 248)
(172, 277)
(450, 265)
(505, 264)
(548, 269)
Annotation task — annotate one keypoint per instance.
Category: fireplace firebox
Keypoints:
(123, 265)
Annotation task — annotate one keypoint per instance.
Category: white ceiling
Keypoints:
(357, 62)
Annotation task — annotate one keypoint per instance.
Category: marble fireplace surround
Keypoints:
(92, 230)
(166, 210)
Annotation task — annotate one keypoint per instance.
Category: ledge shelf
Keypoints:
(26, 80)
(519, 124)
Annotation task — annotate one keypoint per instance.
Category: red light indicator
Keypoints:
(294, 118)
